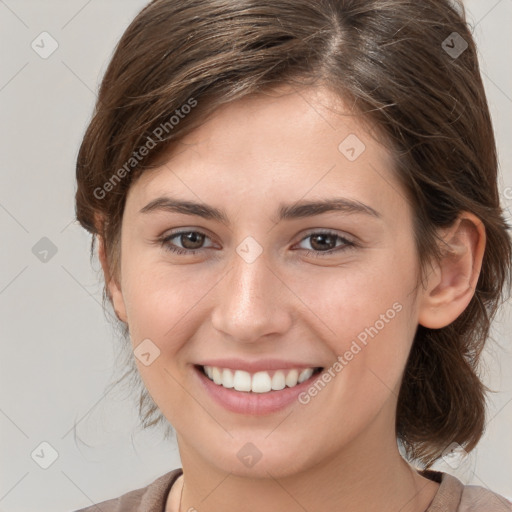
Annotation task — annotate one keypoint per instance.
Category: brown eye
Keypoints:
(325, 243)
(191, 242)
(322, 242)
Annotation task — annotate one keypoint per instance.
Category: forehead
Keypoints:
(282, 145)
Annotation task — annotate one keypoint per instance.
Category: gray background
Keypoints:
(58, 350)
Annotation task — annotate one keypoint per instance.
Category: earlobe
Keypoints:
(452, 283)
(113, 287)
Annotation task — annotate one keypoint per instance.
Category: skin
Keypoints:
(339, 451)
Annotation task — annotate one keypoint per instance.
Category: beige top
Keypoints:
(452, 496)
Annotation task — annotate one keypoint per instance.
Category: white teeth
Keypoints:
(305, 374)
(291, 378)
(242, 381)
(278, 380)
(259, 382)
(217, 376)
(227, 378)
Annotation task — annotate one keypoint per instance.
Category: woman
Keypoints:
(299, 226)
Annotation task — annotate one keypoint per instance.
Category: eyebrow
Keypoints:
(297, 210)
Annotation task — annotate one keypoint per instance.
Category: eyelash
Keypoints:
(349, 244)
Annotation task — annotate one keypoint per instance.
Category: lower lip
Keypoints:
(253, 403)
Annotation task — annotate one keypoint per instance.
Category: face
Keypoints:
(261, 281)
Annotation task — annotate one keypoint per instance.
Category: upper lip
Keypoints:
(255, 366)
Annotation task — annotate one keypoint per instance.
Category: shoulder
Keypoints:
(454, 496)
(151, 498)
(479, 499)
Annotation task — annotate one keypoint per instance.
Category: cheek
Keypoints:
(366, 316)
(160, 307)
(349, 298)
(159, 297)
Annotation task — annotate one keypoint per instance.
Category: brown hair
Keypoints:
(405, 67)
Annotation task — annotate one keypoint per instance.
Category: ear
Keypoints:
(452, 283)
(113, 287)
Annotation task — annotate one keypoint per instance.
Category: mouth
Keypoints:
(260, 382)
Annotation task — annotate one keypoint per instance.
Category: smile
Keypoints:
(258, 382)
(261, 387)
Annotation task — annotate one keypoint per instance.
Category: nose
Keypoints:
(252, 301)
